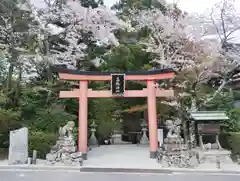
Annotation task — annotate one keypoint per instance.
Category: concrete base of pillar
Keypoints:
(153, 154)
(84, 156)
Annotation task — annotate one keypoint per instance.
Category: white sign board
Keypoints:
(160, 136)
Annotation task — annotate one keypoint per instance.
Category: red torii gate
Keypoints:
(83, 93)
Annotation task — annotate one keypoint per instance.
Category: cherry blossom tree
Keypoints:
(169, 36)
(178, 43)
(224, 22)
(172, 38)
(64, 28)
(14, 26)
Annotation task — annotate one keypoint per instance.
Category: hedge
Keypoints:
(42, 142)
(234, 143)
(231, 141)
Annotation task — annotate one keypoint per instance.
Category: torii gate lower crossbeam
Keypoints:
(83, 93)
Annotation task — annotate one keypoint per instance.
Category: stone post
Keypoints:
(218, 162)
(34, 157)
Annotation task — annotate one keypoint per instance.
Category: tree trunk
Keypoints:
(18, 87)
(12, 59)
(9, 77)
(48, 63)
(185, 131)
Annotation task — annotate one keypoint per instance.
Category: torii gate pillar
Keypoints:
(83, 119)
(152, 118)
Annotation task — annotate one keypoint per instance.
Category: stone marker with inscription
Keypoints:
(18, 146)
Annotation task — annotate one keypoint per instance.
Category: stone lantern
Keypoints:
(144, 138)
(93, 142)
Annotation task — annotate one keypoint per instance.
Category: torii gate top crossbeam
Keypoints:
(156, 74)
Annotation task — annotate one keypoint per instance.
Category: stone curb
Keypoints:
(125, 170)
(38, 167)
(114, 170)
(208, 171)
(160, 170)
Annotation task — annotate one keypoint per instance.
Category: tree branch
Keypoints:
(215, 25)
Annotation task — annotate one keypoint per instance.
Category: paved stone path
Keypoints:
(135, 157)
(121, 156)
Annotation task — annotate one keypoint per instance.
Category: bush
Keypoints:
(224, 140)
(9, 120)
(42, 142)
(231, 141)
(234, 143)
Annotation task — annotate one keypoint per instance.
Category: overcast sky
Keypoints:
(191, 6)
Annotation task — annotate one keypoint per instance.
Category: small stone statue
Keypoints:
(174, 131)
(67, 130)
(178, 131)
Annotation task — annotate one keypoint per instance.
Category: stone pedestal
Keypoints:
(117, 138)
(176, 154)
(213, 156)
(63, 152)
(174, 144)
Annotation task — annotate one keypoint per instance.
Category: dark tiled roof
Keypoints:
(76, 72)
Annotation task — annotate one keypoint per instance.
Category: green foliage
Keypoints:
(224, 102)
(50, 119)
(233, 124)
(102, 111)
(92, 3)
(9, 120)
(42, 110)
(42, 142)
(127, 57)
(3, 99)
(125, 5)
(236, 94)
(3, 67)
(8, 117)
(234, 143)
